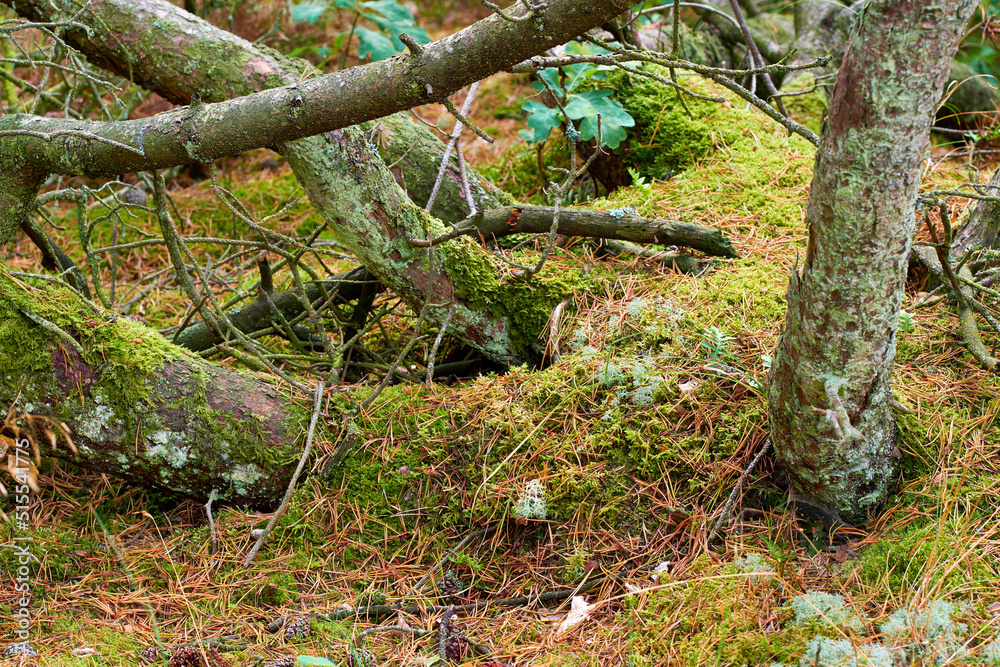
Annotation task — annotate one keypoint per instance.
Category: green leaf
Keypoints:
(577, 74)
(307, 11)
(551, 77)
(396, 29)
(394, 19)
(374, 44)
(586, 107)
(390, 9)
(541, 121)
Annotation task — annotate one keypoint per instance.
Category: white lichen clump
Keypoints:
(991, 653)
(826, 652)
(930, 633)
(827, 608)
(753, 564)
(531, 503)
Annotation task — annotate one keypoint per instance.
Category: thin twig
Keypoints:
(211, 521)
(437, 343)
(399, 359)
(443, 626)
(736, 489)
(456, 132)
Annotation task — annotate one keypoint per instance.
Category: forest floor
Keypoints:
(594, 483)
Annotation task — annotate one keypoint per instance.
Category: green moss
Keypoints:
(931, 554)
(733, 162)
(746, 296)
(279, 590)
(121, 347)
(527, 304)
(712, 618)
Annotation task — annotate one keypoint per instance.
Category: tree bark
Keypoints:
(829, 394)
(141, 408)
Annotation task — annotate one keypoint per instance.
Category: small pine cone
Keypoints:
(191, 656)
(186, 656)
(456, 647)
(134, 195)
(298, 629)
(287, 661)
(151, 654)
(450, 585)
(19, 648)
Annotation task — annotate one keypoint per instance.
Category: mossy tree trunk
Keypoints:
(140, 408)
(829, 395)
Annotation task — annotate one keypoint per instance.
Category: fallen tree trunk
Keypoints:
(141, 408)
(261, 314)
(616, 224)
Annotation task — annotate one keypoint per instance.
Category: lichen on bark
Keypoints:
(829, 393)
(141, 408)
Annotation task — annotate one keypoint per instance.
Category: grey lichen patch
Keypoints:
(96, 423)
(170, 447)
(825, 608)
(243, 478)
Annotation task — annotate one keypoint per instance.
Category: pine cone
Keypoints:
(287, 661)
(450, 585)
(187, 656)
(151, 654)
(456, 646)
(298, 629)
(190, 656)
(19, 648)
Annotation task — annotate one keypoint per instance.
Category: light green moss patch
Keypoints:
(734, 162)
(929, 554)
(746, 296)
(713, 618)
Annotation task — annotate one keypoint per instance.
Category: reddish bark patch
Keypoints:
(73, 373)
(257, 70)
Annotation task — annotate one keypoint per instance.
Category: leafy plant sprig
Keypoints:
(584, 106)
(388, 18)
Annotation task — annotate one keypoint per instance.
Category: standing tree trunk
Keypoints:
(829, 395)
